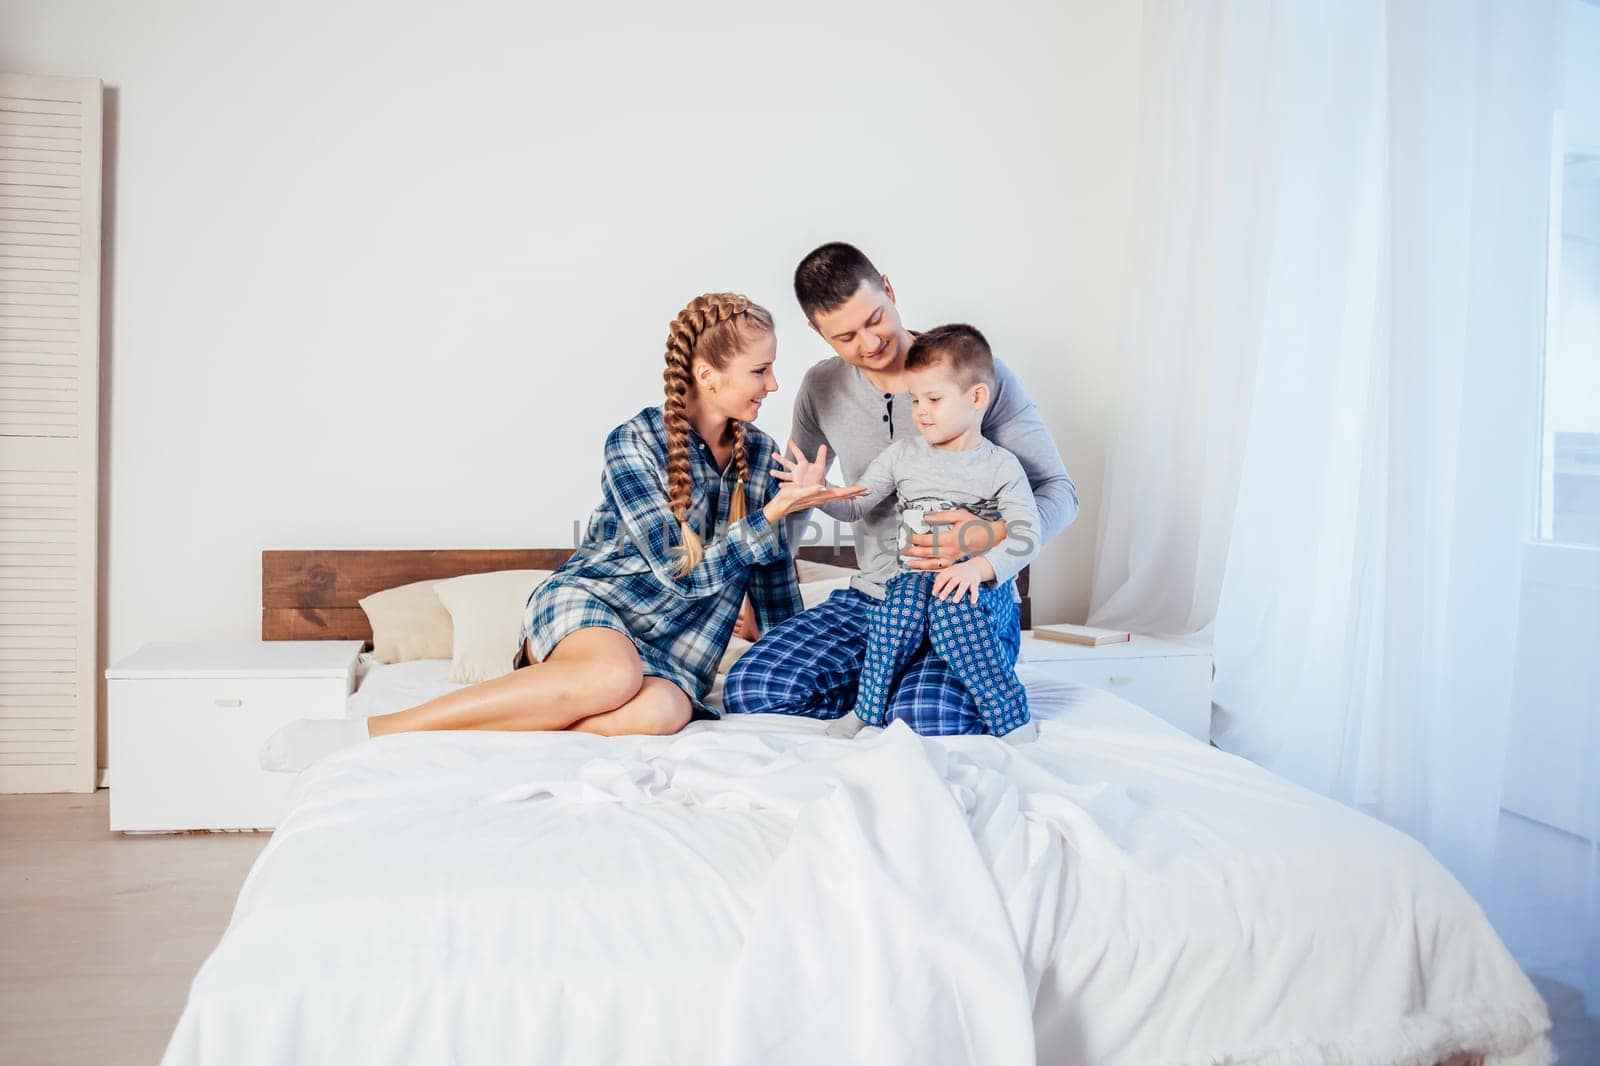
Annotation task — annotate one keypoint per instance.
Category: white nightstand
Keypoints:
(1170, 679)
(186, 722)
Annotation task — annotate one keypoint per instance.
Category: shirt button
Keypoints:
(886, 418)
(888, 396)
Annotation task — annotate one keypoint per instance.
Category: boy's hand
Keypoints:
(963, 579)
(961, 533)
(800, 470)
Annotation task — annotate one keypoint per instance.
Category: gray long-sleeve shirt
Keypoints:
(839, 407)
(920, 479)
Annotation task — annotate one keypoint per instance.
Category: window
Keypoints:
(1569, 476)
(1570, 485)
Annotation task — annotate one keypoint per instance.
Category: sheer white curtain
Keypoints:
(1210, 153)
(1328, 428)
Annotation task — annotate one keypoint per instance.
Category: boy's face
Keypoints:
(942, 407)
(865, 330)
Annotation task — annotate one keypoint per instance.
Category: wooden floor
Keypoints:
(101, 933)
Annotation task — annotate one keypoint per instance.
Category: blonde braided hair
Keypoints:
(712, 329)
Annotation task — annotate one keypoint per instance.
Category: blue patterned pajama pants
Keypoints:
(811, 665)
(960, 632)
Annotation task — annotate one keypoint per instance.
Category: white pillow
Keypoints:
(737, 646)
(391, 687)
(808, 571)
(408, 623)
(486, 616)
(814, 592)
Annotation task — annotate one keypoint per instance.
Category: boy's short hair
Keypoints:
(957, 345)
(827, 277)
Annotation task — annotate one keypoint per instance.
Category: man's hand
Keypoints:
(963, 579)
(960, 533)
(745, 628)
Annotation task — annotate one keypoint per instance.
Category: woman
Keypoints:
(626, 636)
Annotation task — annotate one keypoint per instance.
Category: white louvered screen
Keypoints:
(49, 430)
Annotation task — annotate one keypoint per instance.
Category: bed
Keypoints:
(751, 891)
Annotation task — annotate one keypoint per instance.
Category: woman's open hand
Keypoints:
(791, 498)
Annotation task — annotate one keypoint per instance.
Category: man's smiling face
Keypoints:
(865, 330)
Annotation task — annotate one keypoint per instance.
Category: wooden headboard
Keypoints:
(315, 595)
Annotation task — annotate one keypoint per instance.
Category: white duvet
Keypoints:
(753, 892)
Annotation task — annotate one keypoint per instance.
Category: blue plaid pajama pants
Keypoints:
(812, 665)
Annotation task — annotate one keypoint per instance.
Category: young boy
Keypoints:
(959, 610)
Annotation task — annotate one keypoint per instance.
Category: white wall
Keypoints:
(383, 275)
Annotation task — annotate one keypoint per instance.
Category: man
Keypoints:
(857, 404)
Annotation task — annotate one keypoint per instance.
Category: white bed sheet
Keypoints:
(386, 687)
(744, 889)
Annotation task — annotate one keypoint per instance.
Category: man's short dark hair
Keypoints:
(827, 278)
(959, 346)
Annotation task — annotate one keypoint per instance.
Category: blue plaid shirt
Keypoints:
(629, 558)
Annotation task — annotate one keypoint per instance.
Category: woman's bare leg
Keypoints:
(590, 672)
(660, 708)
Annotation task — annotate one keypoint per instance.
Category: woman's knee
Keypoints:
(612, 681)
(660, 708)
(610, 672)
